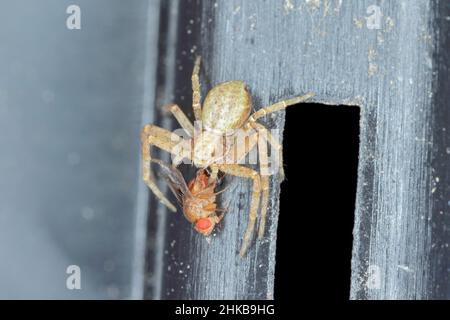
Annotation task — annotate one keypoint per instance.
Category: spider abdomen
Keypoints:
(226, 107)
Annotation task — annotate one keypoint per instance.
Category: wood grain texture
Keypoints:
(286, 48)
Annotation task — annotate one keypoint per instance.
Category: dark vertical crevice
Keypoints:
(150, 279)
(179, 44)
(439, 285)
(317, 204)
(179, 231)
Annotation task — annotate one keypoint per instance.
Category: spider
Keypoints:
(226, 108)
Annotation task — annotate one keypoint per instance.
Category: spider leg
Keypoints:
(244, 172)
(165, 140)
(235, 151)
(196, 95)
(181, 117)
(264, 205)
(264, 171)
(279, 106)
(242, 143)
(277, 147)
(213, 173)
(241, 151)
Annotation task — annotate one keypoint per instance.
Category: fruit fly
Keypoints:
(197, 198)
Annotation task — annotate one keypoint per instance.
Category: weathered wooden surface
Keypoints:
(438, 228)
(393, 68)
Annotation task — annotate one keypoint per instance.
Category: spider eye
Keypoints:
(203, 224)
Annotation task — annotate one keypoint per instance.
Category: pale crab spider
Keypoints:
(227, 106)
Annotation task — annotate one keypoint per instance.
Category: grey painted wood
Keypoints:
(438, 273)
(283, 49)
(394, 72)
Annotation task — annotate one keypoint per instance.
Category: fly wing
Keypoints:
(174, 179)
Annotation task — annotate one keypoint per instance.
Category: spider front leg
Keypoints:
(165, 140)
(264, 171)
(264, 136)
(276, 146)
(235, 150)
(181, 117)
(279, 106)
(196, 95)
(260, 128)
(244, 172)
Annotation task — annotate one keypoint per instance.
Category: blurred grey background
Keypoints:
(72, 103)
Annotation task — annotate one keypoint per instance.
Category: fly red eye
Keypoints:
(203, 224)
